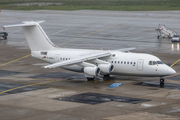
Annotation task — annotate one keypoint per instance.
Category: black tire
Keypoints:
(162, 80)
(107, 75)
(162, 85)
(5, 37)
(90, 79)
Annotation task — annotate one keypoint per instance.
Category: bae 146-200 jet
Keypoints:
(92, 62)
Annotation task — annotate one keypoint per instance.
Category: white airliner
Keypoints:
(92, 62)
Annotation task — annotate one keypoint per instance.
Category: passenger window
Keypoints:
(63, 58)
(134, 63)
(150, 62)
(121, 62)
(112, 61)
(118, 62)
(131, 63)
(115, 62)
(127, 62)
(124, 62)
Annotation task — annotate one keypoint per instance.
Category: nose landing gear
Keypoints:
(162, 82)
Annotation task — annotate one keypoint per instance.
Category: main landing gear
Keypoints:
(90, 79)
(161, 82)
(107, 75)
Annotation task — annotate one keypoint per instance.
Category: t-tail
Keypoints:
(35, 35)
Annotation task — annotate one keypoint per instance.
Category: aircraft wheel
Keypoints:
(107, 75)
(89, 79)
(5, 37)
(161, 82)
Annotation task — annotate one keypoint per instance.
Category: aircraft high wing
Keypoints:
(85, 58)
(79, 60)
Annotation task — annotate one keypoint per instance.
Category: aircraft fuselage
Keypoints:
(125, 63)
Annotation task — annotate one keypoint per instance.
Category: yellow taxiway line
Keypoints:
(15, 60)
(175, 63)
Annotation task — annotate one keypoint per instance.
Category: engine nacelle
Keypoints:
(92, 71)
(106, 68)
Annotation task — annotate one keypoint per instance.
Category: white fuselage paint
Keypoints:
(125, 63)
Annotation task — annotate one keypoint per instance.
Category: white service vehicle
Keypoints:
(92, 62)
(175, 38)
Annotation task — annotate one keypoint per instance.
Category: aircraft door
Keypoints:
(56, 58)
(140, 64)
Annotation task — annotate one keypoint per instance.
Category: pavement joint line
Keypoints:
(99, 31)
(73, 40)
(57, 32)
(175, 63)
(28, 86)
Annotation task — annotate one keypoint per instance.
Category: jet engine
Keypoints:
(92, 71)
(106, 68)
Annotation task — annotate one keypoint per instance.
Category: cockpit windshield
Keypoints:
(155, 62)
(159, 62)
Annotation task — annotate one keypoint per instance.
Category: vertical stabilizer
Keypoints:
(36, 37)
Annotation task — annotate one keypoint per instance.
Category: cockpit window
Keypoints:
(155, 62)
(159, 62)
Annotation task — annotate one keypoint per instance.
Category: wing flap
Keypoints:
(79, 60)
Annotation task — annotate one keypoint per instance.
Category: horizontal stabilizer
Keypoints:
(25, 23)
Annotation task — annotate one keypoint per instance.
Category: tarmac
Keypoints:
(28, 91)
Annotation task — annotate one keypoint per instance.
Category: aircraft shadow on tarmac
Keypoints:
(80, 77)
(4, 86)
(174, 77)
(60, 75)
(4, 73)
(156, 84)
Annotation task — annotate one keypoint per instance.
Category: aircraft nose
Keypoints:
(171, 71)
